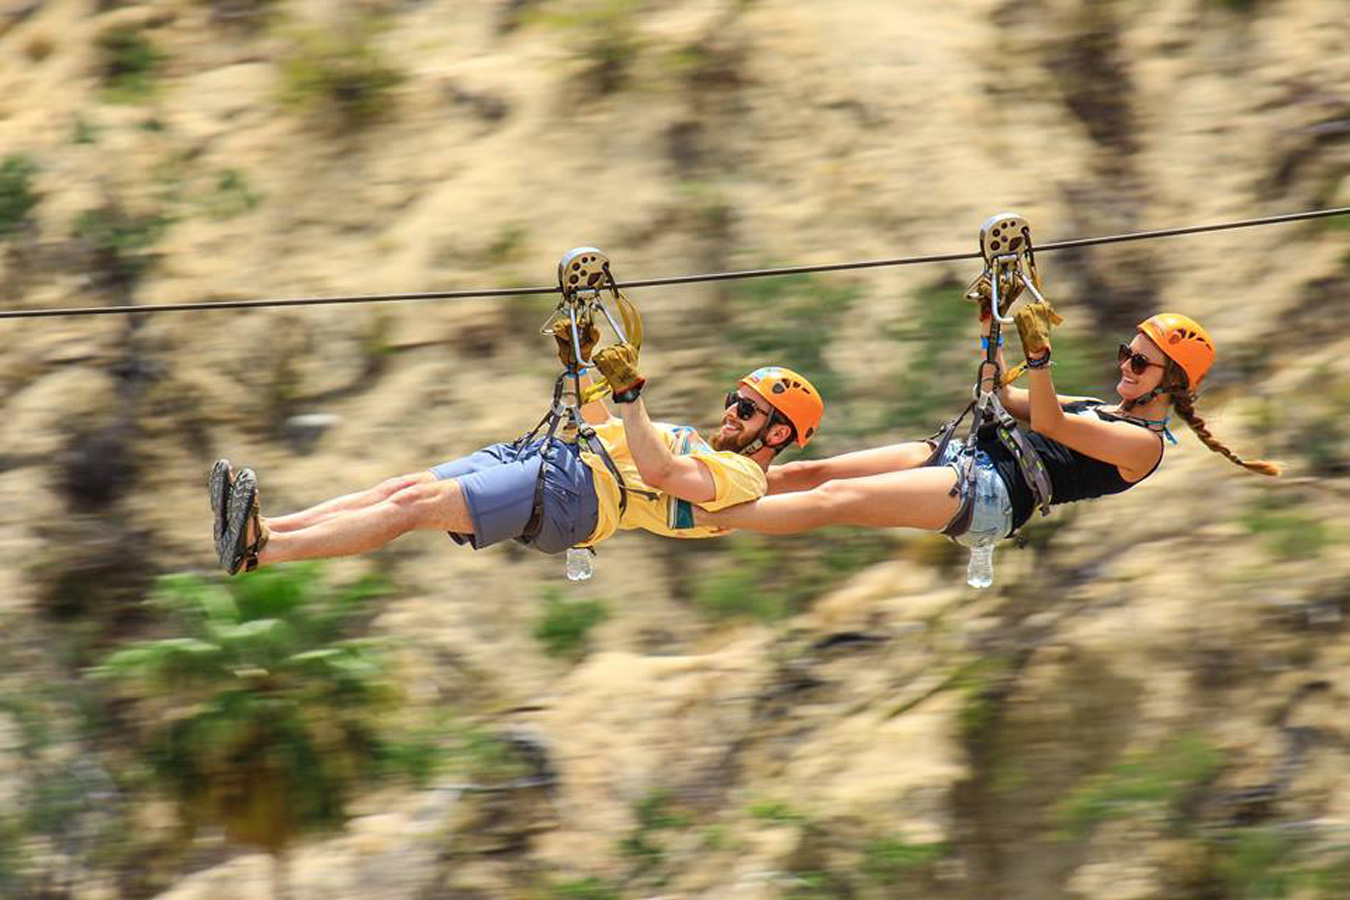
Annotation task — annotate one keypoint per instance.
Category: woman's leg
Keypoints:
(914, 498)
(346, 503)
(422, 504)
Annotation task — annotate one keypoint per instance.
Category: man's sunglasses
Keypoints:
(1139, 363)
(745, 407)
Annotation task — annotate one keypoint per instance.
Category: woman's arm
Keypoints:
(1131, 449)
(805, 474)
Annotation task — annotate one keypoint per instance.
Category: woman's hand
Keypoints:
(1034, 322)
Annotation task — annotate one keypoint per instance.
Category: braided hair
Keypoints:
(1177, 386)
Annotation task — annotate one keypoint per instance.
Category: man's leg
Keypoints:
(423, 503)
(346, 503)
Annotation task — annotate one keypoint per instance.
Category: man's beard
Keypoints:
(734, 442)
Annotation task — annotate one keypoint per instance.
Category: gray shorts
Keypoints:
(992, 515)
(499, 483)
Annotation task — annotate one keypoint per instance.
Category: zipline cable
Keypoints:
(660, 282)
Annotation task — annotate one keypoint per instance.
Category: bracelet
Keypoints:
(1041, 363)
(631, 394)
(984, 342)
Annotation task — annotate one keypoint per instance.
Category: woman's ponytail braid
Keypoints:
(1184, 403)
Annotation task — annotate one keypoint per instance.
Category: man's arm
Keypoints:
(679, 476)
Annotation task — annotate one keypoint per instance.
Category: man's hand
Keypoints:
(562, 333)
(979, 291)
(619, 366)
(1034, 322)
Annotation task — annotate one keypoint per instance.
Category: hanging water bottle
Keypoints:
(579, 564)
(980, 571)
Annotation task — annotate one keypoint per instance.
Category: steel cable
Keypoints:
(658, 282)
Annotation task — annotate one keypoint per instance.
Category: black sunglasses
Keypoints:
(1139, 363)
(745, 407)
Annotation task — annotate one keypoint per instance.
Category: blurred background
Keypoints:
(1150, 703)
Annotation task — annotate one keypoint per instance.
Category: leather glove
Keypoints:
(1034, 322)
(978, 290)
(619, 366)
(562, 333)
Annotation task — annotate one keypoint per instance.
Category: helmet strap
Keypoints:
(759, 443)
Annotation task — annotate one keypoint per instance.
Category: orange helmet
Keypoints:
(1185, 343)
(795, 398)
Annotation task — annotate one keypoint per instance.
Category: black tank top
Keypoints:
(1073, 476)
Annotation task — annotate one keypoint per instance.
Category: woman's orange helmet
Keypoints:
(1185, 343)
(795, 398)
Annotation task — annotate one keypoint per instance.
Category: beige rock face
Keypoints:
(898, 713)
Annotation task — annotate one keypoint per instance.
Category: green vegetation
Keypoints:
(789, 320)
(588, 888)
(1287, 532)
(264, 711)
(17, 196)
(1270, 862)
(340, 75)
(936, 382)
(892, 860)
(602, 34)
(767, 579)
(565, 625)
(1160, 779)
(777, 812)
(655, 813)
(128, 63)
(231, 195)
(119, 240)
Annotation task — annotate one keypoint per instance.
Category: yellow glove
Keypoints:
(562, 333)
(1034, 322)
(619, 366)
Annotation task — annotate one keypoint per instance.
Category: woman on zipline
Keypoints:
(1088, 448)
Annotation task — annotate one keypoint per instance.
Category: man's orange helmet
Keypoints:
(1185, 343)
(795, 398)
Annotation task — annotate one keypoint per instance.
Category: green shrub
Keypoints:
(565, 625)
(128, 64)
(119, 240)
(767, 579)
(1286, 532)
(265, 708)
(937, 380)
(777, 812)
(603, 34)
(655, 813)
(1162, 778)
(340, 75)
(892, 860)
(789, 321)
(1270, 862)
(589, 888)
(17, 196)
(231, 195)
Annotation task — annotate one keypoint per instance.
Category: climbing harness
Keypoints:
(583, 277)
(1009, 268)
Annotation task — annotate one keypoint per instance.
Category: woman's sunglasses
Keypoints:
(1139, 363)
(745, 407)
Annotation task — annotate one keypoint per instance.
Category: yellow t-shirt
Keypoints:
(736, 479)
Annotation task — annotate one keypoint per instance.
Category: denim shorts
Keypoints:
(992, 514)
(499, 483)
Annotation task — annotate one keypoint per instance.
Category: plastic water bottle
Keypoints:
(980, 571)
(578, 564)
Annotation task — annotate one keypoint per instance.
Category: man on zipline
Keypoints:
(497, 493)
